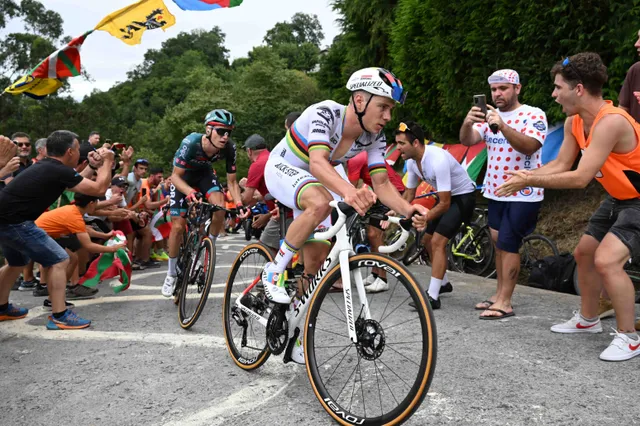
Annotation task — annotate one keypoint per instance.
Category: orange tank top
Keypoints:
(620, 174)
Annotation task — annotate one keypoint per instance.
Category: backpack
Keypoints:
(554, 273)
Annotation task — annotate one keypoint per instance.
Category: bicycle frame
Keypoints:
(339, 254)
(467, 235)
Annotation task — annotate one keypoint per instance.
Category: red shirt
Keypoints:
(358, 169)
(255, 179)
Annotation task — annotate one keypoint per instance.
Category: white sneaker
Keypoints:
(370, 279)
(621, 348)
(169, 286)
(377, 286)
(297, 353)
(578, 325)
(274, 286)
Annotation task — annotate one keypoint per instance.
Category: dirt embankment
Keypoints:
(565, 214)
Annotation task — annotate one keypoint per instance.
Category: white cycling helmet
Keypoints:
(377, 81)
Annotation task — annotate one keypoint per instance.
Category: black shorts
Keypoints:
(205, 182)
(460, 211)
(70, 242)
(619, 217)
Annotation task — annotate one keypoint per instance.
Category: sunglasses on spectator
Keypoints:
(21, 144)
(403, 128)
(222, 132)
(567, 63)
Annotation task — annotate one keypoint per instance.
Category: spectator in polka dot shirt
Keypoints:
(517, 145)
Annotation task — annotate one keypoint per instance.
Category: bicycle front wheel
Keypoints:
(244, 335)
(196, 284)
(384, 377)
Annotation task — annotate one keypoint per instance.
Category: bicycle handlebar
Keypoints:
(345, 210)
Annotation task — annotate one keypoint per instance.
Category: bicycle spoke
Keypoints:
(344, 320)
(339, 310)
(389, 301)
(395, 374)
(364, 402)
(402, 343)
(335, 355)
(401, 323)
(332, 332)
(347, 382)
(343, 357)
(405, 357)
(385, 382)
(402, 303)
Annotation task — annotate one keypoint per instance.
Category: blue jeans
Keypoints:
(24, 241)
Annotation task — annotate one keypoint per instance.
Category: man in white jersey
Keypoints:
(514, 134)
(300, 171)
(455, 189)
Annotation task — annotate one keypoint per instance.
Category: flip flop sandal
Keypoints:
(503, 314)
(488, 302)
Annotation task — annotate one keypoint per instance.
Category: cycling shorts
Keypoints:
(286, 183)
(205, 182)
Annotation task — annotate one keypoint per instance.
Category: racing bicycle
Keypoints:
(369, 360)
(195, 265)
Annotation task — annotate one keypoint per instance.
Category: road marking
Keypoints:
(227, 246)
(22, 329)
(247, 399)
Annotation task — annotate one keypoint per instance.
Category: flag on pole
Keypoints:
(160, 226)
(110, 265)
(206, 4)
(44, 79)
(129, 23)
(62, 63)
(36, 88)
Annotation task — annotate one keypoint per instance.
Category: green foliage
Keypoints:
(444, 51)
(297, 43)
(302, 29)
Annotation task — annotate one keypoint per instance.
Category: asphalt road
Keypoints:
(135, 365)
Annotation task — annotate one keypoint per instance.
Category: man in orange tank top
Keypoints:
(609, 139)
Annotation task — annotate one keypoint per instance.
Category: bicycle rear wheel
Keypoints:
(244, 335)
(536, 247)
(471, 250)
(385, 376)
(197, 281)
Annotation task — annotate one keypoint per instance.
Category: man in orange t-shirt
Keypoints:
(609, 139)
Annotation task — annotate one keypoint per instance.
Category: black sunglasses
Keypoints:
(567, 63)
(21, 144)
(222, 132)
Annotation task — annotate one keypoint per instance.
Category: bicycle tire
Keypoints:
(209, 264)
(184, 256)
(423, 377)
(247, 229)
(530, 255)
(229, 323)
(480, 249)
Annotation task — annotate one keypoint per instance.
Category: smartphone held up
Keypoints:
(481, 102)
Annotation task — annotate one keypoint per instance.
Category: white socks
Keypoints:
(172, 266)
(434, 288)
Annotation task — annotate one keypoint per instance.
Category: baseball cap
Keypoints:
(85, 149)
(141, 161)
(119, 181)
(255, 141)
(504, 76)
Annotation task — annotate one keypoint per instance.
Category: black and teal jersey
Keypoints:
(191, 156)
